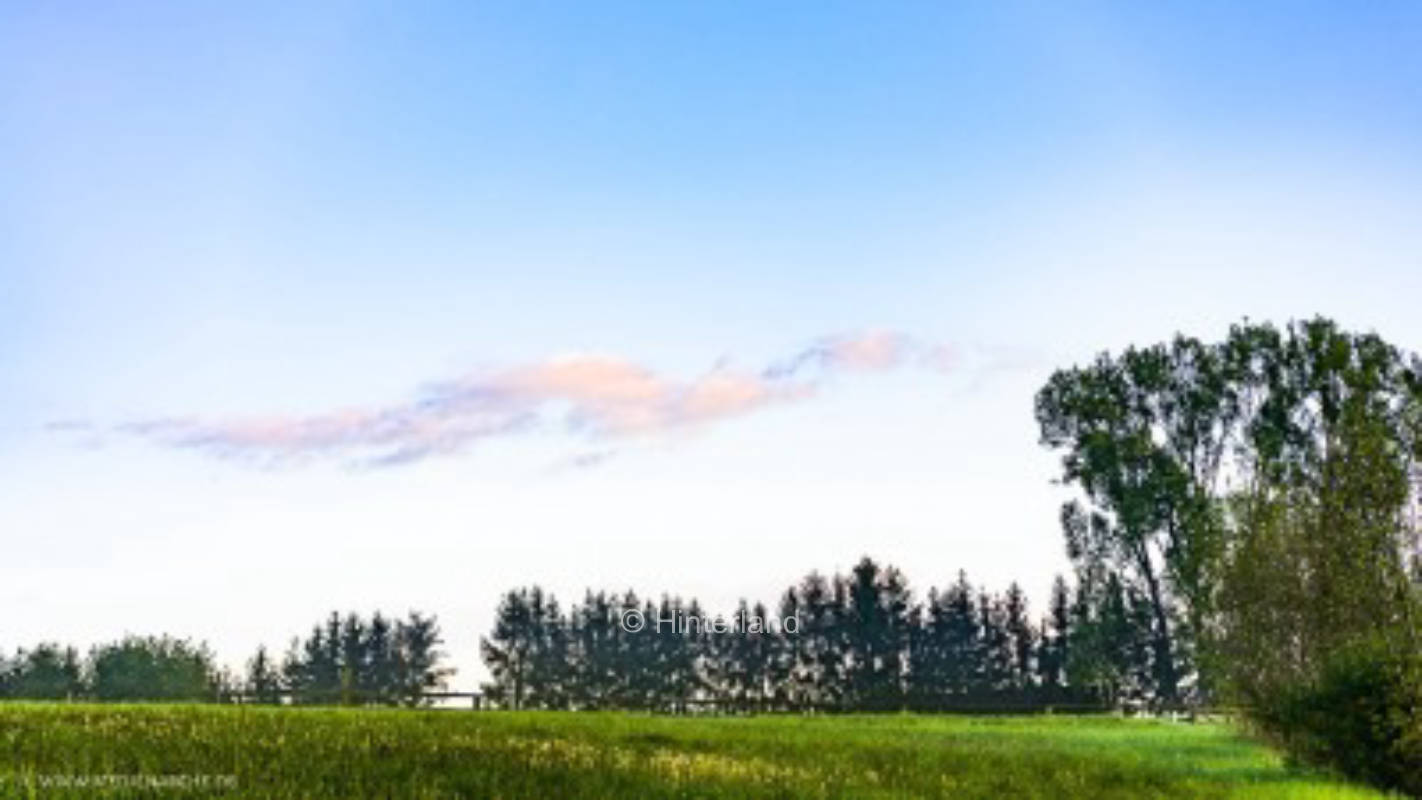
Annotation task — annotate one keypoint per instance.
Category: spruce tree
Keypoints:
(263, 682)
(378, 678)
(1023, 639)
(419, 660)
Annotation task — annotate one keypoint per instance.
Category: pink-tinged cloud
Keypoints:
(866, 351)
(597, 396)
(874, 350)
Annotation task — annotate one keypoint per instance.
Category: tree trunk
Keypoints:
(1161, 638)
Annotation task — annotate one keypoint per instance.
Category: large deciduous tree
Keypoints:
(1144, 436)
(1260, 484)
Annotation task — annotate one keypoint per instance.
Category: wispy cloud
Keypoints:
(873, 350)
(596, 396)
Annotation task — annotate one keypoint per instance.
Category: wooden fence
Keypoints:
(477, 701)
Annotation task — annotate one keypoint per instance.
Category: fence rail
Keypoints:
(479, 701)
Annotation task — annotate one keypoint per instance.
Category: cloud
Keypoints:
(596, 396)
(868, 351)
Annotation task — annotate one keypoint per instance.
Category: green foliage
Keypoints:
(1144, 437)
(47, 672)
(1110, 641)
(525, 645)
(263, 682)
(1054, 649)
(855, 642)
(1261, 494)
(153, 668)
(355, 754)
(875, 622)
(1255, 492)
(1362, 716)
(351, 661)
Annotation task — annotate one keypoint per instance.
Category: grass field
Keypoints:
(252, 752)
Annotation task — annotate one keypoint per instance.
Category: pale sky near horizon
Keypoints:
(366, 306)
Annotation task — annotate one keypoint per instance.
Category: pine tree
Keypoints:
(263, 682)
(508, 651)
(552, 668)
(419, 667)
(1023, 639)
(928, 662)
(353, 660)
(1052, 651)
(810, 603)
(962, 655)
(332, 678)
(632, 654)
(670, 657)
(320, 668)
(378, 677)
(995, 644)
(597, 641)
(876, 629)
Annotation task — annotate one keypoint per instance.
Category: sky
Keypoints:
(391, 306)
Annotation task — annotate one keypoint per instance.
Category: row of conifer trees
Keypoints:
(351, 660)
(857, 641)
(347, 660)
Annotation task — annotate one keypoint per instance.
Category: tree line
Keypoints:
(346, 659)
(1258, 494)
(1244, 526)
(848, 642)
(351, 660)
(1262, 495)
(134, 668)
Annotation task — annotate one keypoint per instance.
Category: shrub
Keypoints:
(1362, 716)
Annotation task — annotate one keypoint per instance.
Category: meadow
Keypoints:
(110, 751)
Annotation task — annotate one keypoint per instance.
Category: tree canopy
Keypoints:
(1207, 474)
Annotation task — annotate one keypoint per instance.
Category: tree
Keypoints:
(1144, 437)
(994, 648)
(1256, 497)
(264, 682)
(510, 651)
(677, 656)
(877, 631)
(353, 661)
(1325, 527)
(313, 668)
(333, 678)
(418, 661)
(928, 676)
(46, 672)
(153, 668)
(962, 654)
(850, 642)
(1022, 638)
(378, 677)
(1053, 650)
(819, 651)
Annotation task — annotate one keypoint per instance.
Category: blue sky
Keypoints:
(221, 220)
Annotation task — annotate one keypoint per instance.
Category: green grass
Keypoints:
(337, 753)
